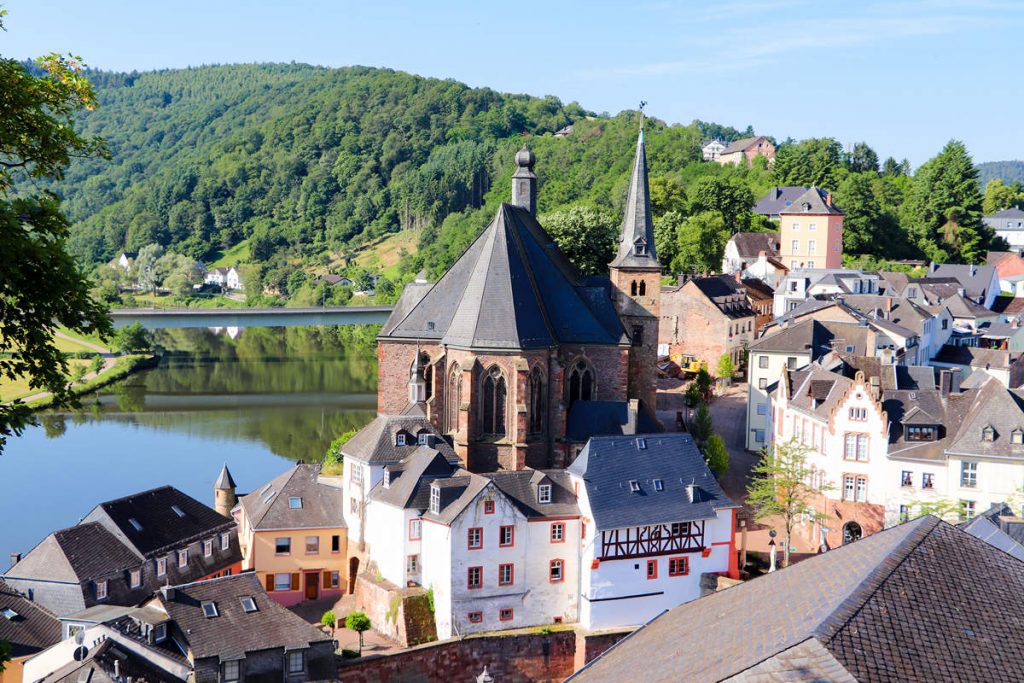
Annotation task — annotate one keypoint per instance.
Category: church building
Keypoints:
(499, 352)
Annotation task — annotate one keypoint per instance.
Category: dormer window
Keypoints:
(641, 443)
(387, 478)
(634, 486)
(1017, 436)
(640, 247)
(988, 434)
(421, 439)
(435, 500)
(659, 485)
(160, 633)
(400, 439)
(544, 493)
(922, 433)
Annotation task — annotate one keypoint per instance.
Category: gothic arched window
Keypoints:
(492, 412)
(536, 401)
(632, 288)
(643, 291)
(453, 399)
(427, 371)
(581, 382)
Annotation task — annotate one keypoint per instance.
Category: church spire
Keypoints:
(636, 239)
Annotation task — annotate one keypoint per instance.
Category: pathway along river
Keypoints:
(258, 403)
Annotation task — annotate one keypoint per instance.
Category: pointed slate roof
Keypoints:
(225, 481)
(512, 289)
(638, 221)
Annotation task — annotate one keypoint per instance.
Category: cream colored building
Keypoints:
(811, 232)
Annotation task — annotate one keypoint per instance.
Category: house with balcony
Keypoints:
(293, 536)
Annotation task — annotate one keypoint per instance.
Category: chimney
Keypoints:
(689, 491)
(15, 559)
(776, 193)
(945, 382)
(117, 669)
(974, 270)
(828, 199)
(739, 277)
(888, 306)
(633, 408)
(524, 181)
(954, 382)
(168, 592)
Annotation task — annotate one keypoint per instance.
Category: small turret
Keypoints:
(524, 181)
(224, 498)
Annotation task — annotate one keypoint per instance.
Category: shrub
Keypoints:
(360, 623)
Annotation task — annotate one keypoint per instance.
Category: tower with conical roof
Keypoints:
(635, 275)
(224, 496)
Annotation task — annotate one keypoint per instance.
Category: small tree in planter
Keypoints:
(726, 369)
(329, 620)
(360, 623)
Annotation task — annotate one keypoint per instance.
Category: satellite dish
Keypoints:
(81, 653)
(79, 636)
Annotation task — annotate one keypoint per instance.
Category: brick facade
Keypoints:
(637, 296)
(521, 446)
(690, 323)
(401, 614)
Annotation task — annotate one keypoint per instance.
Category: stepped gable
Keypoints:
(512, 289)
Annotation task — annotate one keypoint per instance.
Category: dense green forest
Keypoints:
(1007, 171)
(292, 168)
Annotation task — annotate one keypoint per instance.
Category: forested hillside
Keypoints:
(292, 169)
(1007, 171)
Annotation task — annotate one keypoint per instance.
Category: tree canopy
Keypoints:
(41, 286)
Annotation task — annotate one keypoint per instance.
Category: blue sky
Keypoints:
(903, 75)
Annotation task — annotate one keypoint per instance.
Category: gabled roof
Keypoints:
(512, 289)
(234, 632)
(161, 524)
(98, 666)
(742, 145)
(993, 406)
(724, 293)
(25, 624)
(917, 416)
(1012, 212)
(758, 290)
(521, 488)
(1008, 306)
(879, 607)
(815, 202)
(984, 528)
(959, 307)
(778, 199)
(975, 357)
(638, 219)
(376, 442)
(79, 553)
(319, 505)
(607, 464)
(975, 279)
(409, 480)
(750, 244)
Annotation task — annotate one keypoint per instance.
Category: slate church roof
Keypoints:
(638, 221)
(922, 601)
(512, 289)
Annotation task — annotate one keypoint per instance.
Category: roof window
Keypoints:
(178, 511)
(9, 613)
(641, 443)
(659, 485)
(400, 439)
(634, 486)
(295, 503)
(209, 608)
(248, 604)
(135, 523)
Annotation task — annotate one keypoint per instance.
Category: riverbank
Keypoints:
(122, 367)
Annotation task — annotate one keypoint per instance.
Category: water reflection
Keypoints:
(268, 396)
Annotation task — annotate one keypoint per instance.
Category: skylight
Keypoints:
(178, 511)
(641, 444)
(248, 604)
(634, 486)
(209, 608)
(264, 490)
(135, 523)
(659, 485)
(295, 503)
(9, 613)
(268, 495)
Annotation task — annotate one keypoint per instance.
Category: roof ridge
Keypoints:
(486, 255)
(140, 493)
(531, 276)
(850, 606)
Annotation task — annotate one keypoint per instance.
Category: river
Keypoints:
(257, 403)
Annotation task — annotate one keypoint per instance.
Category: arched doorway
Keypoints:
(353, 571)
(851, 532)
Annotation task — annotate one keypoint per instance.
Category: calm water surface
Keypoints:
(258, 403)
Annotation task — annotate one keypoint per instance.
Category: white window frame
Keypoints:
(101, 589)
(400, 439)
(291, 663)
(287, 585)
(182, 558)
(161, 566)
(208, 548)
(277, 543)
(968, 474)
(415, 529)
(232, 670)
(412, 565)
(135, 578)
(314, 543)
(544, 493)
(225, 541)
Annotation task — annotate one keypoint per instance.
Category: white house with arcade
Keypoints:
(654, 519)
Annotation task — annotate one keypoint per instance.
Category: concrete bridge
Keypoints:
(158, 318)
